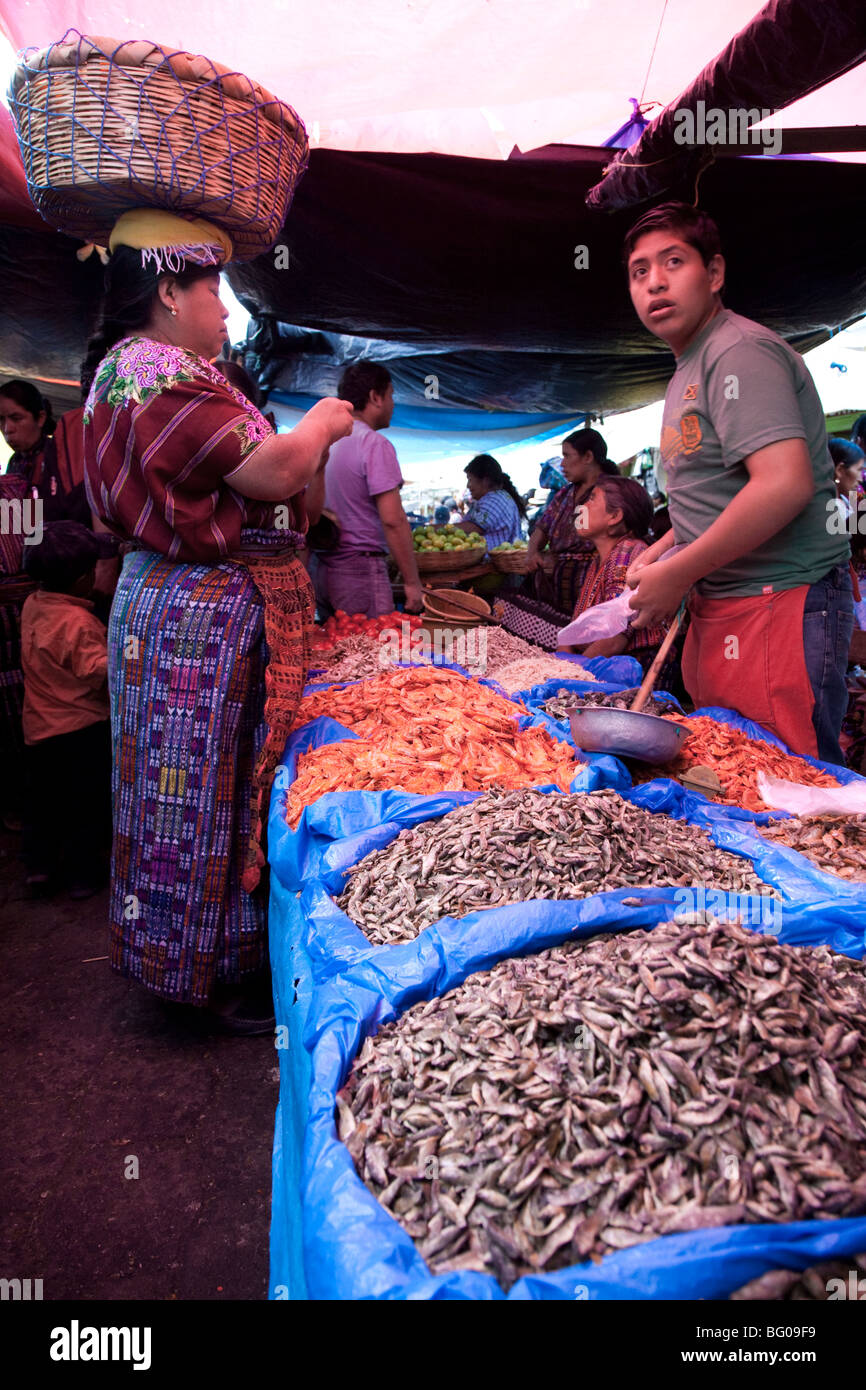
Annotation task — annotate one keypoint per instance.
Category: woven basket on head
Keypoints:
(439, 561)
(106, 126)
(510, 561)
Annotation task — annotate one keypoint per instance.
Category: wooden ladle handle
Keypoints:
(652, 674)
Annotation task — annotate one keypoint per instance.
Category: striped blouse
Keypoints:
(163, 434)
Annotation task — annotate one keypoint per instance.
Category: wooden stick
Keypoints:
(652, 674)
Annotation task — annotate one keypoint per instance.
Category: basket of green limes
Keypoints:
(511, 558)
(439, 548)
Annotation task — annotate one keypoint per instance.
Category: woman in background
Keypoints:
(558, 557)
(848, 460)
(44, 470)
(26, 423)
(497, 510)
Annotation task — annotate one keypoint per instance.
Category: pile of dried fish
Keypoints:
(505, 848)
(833, 1279)
(503, 648)
(602, 1093)
(355, 658)
(517, 665)
(836, 844)
(523, 675)
(560, 705)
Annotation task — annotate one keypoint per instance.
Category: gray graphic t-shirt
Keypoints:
(737, 388)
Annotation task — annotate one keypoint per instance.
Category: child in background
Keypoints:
(67, 730)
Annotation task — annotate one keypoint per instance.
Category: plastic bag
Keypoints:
(803, 800)
(606, 619)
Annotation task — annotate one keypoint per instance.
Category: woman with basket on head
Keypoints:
(209, 638)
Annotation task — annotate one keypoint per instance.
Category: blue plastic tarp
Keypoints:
(293, 990)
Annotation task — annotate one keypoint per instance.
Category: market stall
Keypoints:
(549, 1021)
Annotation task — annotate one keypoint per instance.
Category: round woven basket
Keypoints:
(438, 604)
(511, 562)
(105, 126)
(440, 561)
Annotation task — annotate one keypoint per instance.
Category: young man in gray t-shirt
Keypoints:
(751, 498)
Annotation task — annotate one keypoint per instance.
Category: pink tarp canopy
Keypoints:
(465, 77)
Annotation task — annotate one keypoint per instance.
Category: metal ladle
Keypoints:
(629, 733)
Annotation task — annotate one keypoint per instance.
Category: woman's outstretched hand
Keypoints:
(334, 416)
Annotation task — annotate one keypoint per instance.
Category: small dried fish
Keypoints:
(504, 650)
(354, 658)
(560, 704)
(507, 847)
(836, 844)
(532, 670)
(832, 1279)
(552, 1143)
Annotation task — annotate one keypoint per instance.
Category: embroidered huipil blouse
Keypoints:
(164, 432)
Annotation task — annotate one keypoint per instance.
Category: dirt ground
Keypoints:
(98, 1083)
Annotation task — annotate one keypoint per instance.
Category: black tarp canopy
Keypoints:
(470, 265)
(790, 48)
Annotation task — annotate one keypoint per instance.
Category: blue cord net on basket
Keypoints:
(105, 127)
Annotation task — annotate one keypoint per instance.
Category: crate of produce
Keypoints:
(106, 126)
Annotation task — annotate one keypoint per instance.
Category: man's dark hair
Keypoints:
(858, 429)
(359, 379)
(694, 226)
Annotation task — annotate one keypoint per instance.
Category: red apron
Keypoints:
(747, 654)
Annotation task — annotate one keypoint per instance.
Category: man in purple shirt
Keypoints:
(362, 489)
